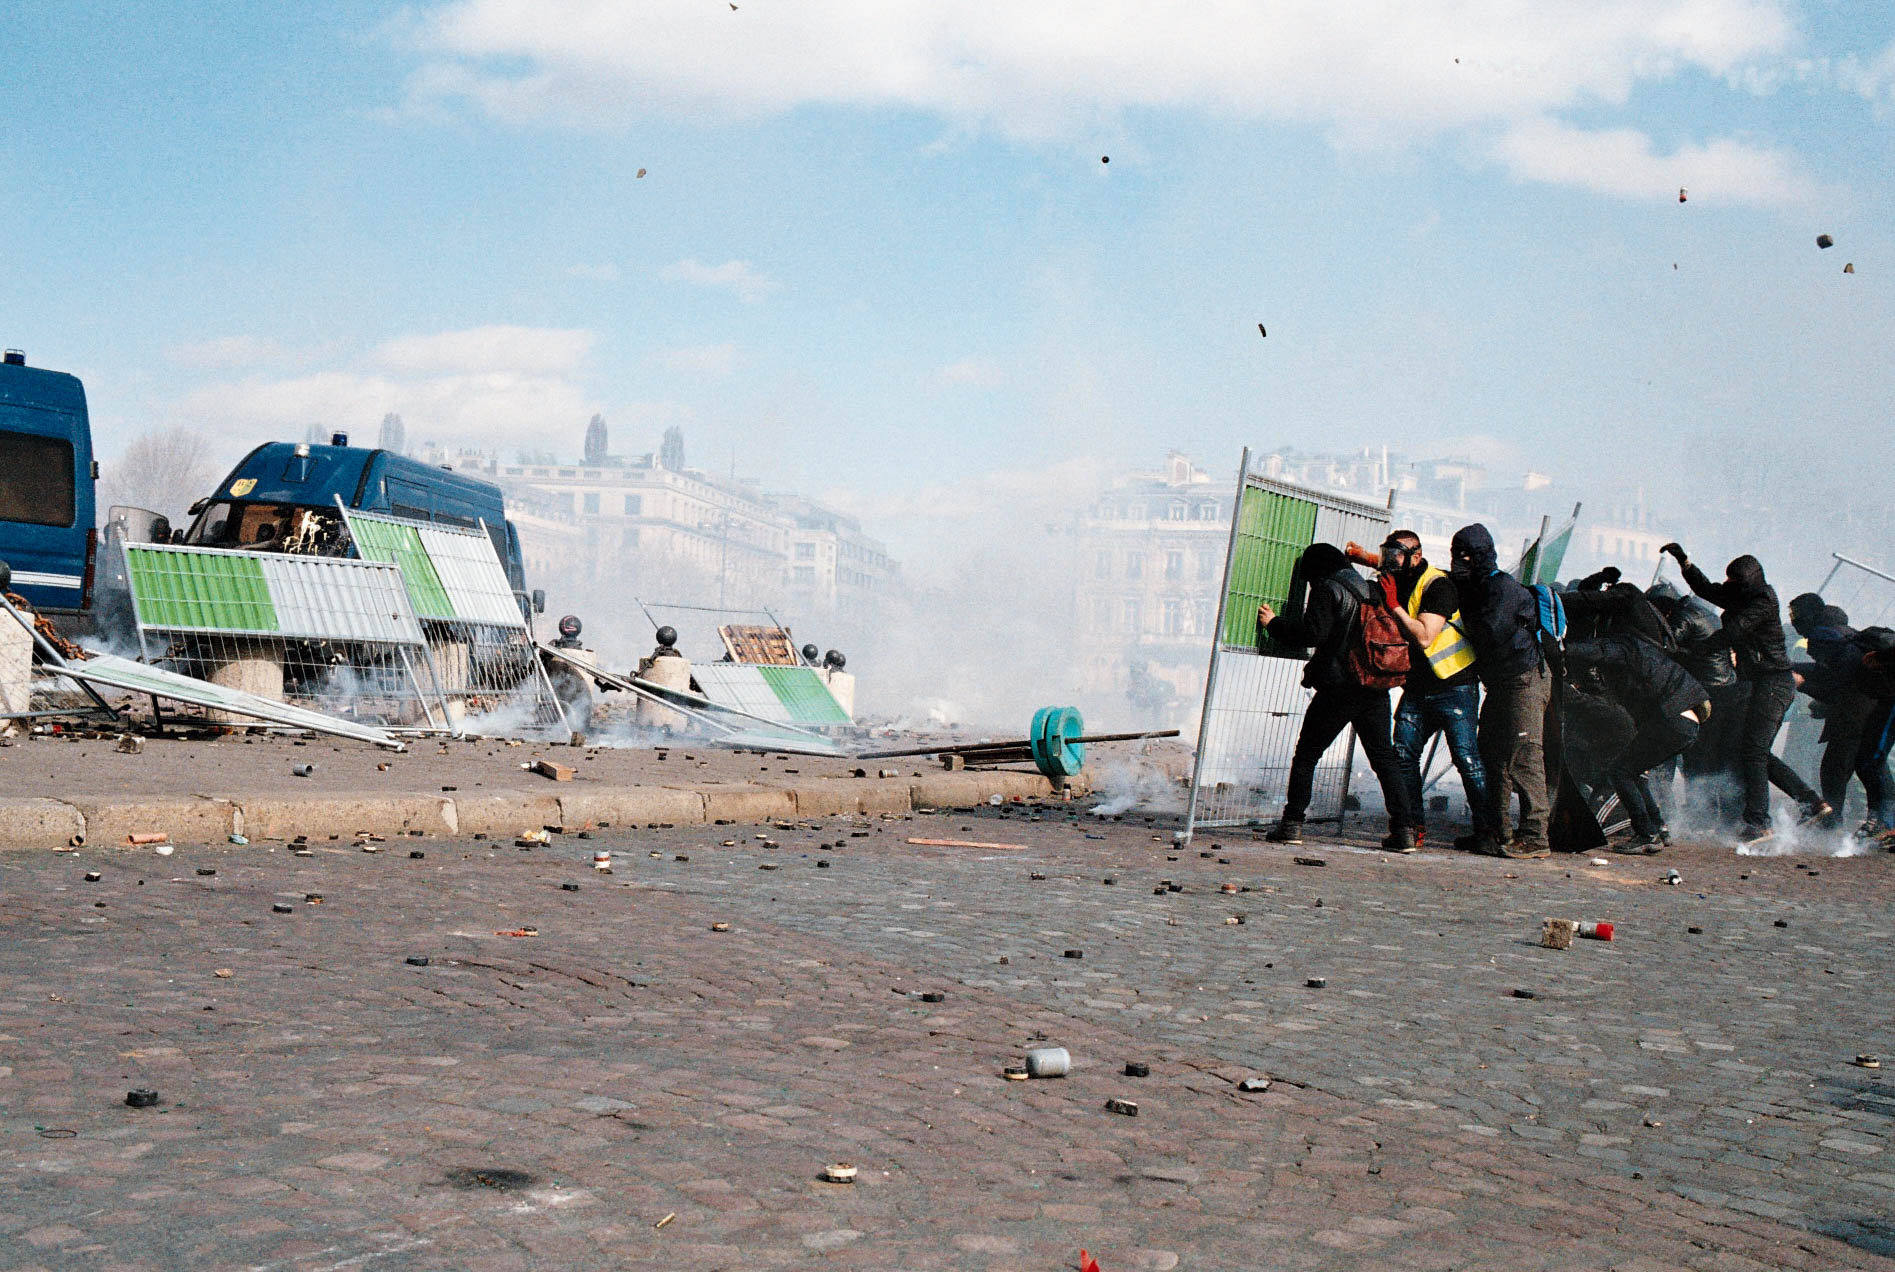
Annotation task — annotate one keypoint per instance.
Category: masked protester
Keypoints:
(1832, 679)
(1752, 627)
(1330, 621)
(1667, 708)
(1442, 696)
(1502, 622)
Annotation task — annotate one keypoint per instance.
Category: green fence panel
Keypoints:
(377, 540)
(200, 592)
(1272, 531)
(804, 695)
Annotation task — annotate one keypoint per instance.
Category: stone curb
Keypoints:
(30, 824)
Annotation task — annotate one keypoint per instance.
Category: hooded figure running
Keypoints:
(1753, 628)
(1502, 620)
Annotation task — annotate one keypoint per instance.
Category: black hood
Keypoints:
(1475, 545)
(1745, 573)
(1320, 560)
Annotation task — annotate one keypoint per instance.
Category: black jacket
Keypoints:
(1702, 650)
(1638, 675)
(1501, 616)
(1328, 620)
(1753, 621)
(1592, 613)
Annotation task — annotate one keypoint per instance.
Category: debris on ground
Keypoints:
(1557, 934)
(519, 931)
(141, 1097)
(551, 769)
(1048, 1062)
(839, 1173)
(1128, 1108)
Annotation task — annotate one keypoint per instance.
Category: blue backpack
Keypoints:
(1552, 615)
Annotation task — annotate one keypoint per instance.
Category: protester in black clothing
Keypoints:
(1703, 652)
(1753, 629)
(1667, 706)
(1330, 615)
(1502, 622)
(1600, 605)
(1832, 681)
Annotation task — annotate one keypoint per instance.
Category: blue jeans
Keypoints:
(1453, 711)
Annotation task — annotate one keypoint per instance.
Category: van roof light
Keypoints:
(302, 450)
(16, 357)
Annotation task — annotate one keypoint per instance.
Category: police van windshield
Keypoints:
(263, 527)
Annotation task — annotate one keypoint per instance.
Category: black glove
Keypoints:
(1675, 551)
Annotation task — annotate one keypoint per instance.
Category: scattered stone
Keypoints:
(1075, 954)
(1309, 861)
(839, 1173)
(1316, 982)
(1526, 993)
(1135, 1069)
(1824, 241)
(418, 960)
(1868, 1062)
(1127, 1108)
(1557, 934)
(720, 927)
(141, 1097)
(280, 908)
(207, 871)
(934, 996)
(93, 876)
(1254, 1084)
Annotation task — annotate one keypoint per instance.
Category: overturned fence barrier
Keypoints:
(326, 634)
(485, 663)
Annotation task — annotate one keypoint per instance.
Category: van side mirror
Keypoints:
(539, 600)
(197, 507)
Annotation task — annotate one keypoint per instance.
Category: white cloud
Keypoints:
(486, 349)
(738, 276)
(713, 360)
(1061, 68)
(975, 372)
(491, 387)
(1623, 163)
(225, 352)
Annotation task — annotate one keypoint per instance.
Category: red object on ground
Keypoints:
(1087, 1263)
(1596, 931)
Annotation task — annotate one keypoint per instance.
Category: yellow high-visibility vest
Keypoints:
(1449, 653)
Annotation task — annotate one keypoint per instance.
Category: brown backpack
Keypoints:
(1378, 647)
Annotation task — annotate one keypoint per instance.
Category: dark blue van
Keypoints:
(47, 508)
(285, 490)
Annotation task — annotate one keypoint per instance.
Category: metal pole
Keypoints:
(1217, 645)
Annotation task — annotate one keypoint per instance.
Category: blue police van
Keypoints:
(282, 496)
(48, 529)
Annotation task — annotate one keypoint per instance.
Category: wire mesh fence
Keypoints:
(484, 662)
(324, 634)
(1864, 591)
(1254, 701)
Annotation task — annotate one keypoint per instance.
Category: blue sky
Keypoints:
(876, 254)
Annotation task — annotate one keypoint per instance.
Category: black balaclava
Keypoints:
(1474, 557)
(1806, 613)
(1745, 573)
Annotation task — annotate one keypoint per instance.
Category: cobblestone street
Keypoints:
(1685, 1096)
